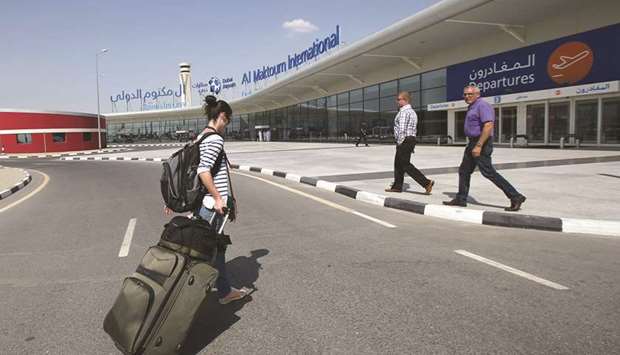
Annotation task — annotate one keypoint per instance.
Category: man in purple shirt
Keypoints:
(479, 123)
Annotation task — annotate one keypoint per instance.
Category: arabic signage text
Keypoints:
(583, 58)
(146, 97)
(570, 91)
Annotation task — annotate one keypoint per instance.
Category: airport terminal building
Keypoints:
(550, 68)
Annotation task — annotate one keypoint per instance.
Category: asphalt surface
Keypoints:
(327, 281)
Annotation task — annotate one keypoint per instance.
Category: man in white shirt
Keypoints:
(405, 126)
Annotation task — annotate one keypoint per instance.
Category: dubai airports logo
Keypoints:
(215, 86)
(570, 63)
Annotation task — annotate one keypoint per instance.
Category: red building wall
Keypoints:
(42, 140)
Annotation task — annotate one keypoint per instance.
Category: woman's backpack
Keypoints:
(181, 187)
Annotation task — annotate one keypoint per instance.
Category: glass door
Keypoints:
(586, 120)
(459, 126)
(535, 123)
(509, 123)
(611, 121)
(559, 113)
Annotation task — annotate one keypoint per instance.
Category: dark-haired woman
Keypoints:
(219, 193)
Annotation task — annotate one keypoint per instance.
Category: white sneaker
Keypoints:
(244, 291)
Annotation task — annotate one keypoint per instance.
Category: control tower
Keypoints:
(185, 77)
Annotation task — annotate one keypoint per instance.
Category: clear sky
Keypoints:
(48, 48)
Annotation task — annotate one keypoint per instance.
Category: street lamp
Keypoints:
(98, 108)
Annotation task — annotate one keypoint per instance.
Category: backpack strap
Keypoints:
(218, 161)
(216, 168)
(233, 213)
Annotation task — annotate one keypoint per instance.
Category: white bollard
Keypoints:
(438, 141)
(561, 142)
(512, 142)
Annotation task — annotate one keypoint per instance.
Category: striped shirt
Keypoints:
(210, 148)
(405, 123)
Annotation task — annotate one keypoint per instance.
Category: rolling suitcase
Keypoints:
(158, 303)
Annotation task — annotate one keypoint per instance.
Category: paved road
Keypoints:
(328, 281)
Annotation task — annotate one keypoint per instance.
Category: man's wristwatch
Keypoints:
(478, 144)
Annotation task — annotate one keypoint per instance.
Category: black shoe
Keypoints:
(455, 202)
(393, 188)
(515, 204)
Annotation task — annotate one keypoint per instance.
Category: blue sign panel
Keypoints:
(583, 58)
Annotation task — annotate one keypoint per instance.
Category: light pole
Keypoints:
(98, 108)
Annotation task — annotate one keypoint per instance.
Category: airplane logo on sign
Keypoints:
(570, 63)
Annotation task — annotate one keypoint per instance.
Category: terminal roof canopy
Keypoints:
(399, 50)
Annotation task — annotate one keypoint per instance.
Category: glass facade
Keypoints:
(558, 121)
(535, 120)
(611, 121)
(340, 116)
(586, 116)
(337, 117)
(171, 129)
(459, 126)
(509, 123)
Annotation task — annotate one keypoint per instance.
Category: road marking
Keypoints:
(320, 200)
(512, 270)
(46, 179)
(127, 240)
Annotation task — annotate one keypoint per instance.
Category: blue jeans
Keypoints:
(486, 168)
(222, 283)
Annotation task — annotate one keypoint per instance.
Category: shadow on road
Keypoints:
(213, 318)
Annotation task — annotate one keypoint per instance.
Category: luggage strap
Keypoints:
(184, 250)
(222, 241)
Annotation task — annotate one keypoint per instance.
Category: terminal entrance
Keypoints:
(505, 122)
(559, 122)
(508, 123)
(263, 133)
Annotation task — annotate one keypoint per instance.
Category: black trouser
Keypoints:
(402, 164)
(487, 170)
(362, 136)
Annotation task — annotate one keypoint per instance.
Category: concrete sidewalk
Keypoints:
(558, 183)
(583, 184)
(12, 180)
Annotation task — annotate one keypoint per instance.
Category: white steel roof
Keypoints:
(396, 51)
